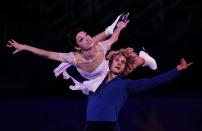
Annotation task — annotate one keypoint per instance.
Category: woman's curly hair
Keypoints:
(129, 54)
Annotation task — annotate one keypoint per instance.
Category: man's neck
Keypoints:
(111, 76)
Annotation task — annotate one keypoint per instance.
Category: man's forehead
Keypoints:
(120, 56)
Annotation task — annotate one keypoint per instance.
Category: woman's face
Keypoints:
(84, 41)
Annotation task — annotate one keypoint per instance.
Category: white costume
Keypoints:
(95, 77)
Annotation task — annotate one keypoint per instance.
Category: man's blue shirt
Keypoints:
(106, 102)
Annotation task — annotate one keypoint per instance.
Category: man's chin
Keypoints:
(118, 72)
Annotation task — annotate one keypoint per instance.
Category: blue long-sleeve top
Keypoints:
(106, 103)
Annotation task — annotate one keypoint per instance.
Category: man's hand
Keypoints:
(183, 65)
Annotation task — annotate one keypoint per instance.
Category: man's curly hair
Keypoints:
(129, 54)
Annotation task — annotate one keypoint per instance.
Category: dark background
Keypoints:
(168, 29)
(31, 98)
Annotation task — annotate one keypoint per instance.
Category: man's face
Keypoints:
(84, 41)
(118, 64)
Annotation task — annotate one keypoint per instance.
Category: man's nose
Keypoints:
(119, 63)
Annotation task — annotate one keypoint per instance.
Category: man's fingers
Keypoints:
(191, 63)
